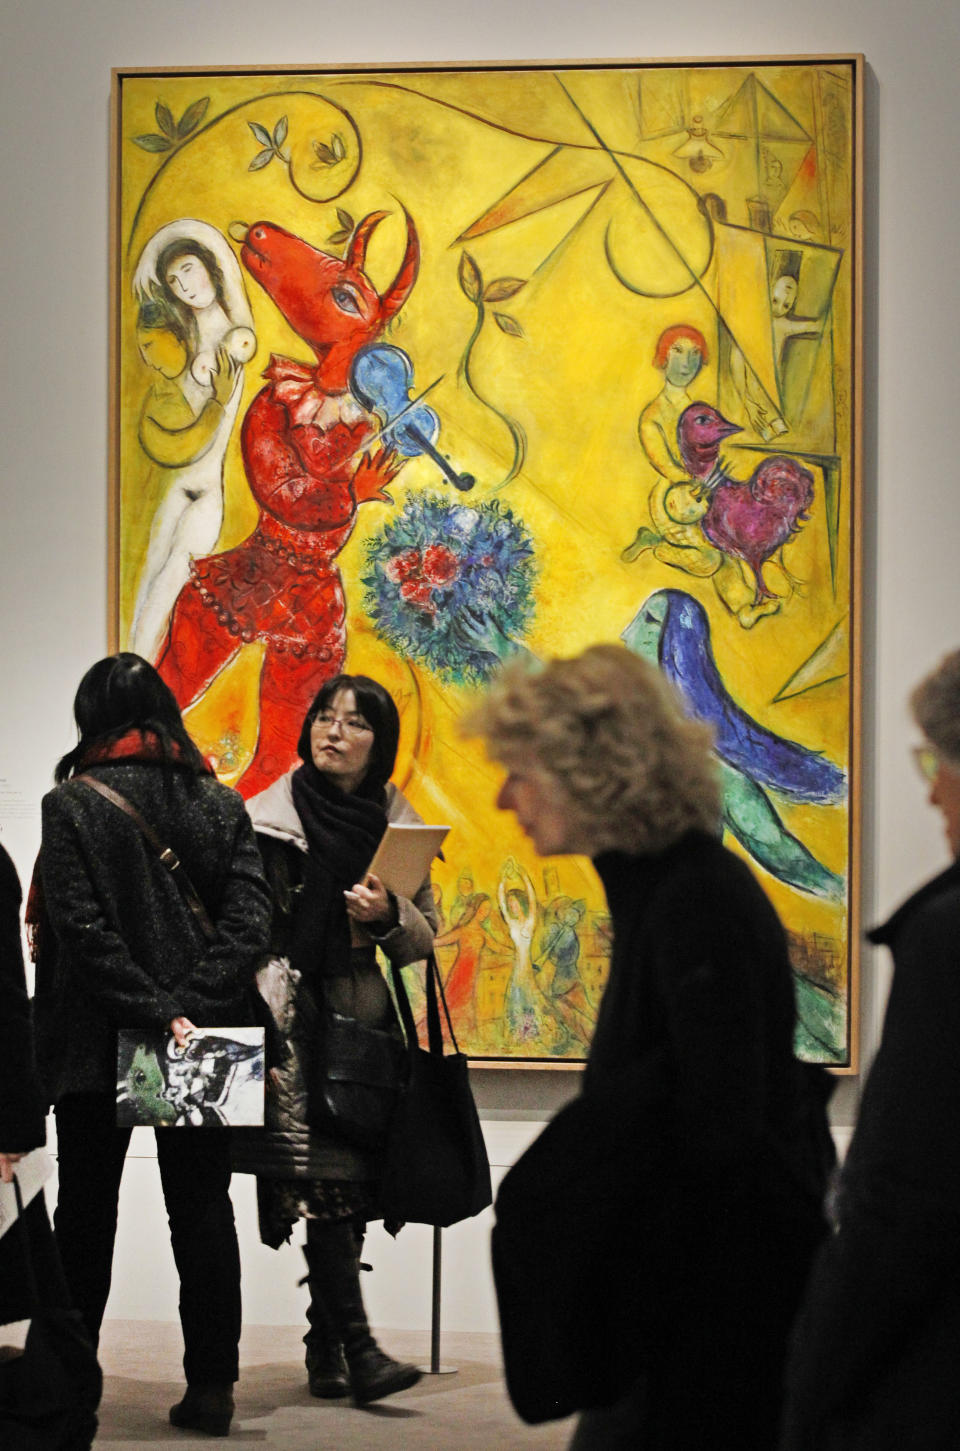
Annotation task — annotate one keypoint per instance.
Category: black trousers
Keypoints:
(195, 1175)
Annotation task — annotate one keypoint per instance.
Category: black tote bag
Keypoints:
(435, 1168)
(565, 1251)
(49, 1394)
(585, 1259)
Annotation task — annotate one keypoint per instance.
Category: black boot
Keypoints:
(326, 1368)
(335, 1259)
(206, 1408)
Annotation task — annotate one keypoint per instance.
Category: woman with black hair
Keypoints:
(118, 946)
(318, 828)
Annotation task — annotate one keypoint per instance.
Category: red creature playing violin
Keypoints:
(302, 441)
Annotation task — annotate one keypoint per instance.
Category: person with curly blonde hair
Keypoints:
(636, 772)
(692, 1057)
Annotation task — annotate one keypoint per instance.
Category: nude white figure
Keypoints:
(189, 268)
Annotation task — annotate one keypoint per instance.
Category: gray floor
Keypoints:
(467, 1411)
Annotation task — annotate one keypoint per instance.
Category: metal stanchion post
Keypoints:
(435, 1368)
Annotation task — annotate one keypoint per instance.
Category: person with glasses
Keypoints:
(875, 1360)
(318, 828)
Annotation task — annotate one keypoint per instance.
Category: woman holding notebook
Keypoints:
(318, 828)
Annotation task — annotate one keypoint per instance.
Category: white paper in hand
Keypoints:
(32, 1171)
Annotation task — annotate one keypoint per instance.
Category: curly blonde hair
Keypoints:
(936, 707)
(611, 731)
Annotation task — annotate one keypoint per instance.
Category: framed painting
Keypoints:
(419, 369)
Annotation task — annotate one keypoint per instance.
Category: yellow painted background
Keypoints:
(449, 145)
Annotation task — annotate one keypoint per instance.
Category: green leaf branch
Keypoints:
(500, 290)
(170, 133)
(346, 228)
(272, 145)
(324, 154)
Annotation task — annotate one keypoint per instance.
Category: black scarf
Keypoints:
(343, 830)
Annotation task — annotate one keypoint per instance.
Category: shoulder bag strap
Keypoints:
(26, 1253)
(165, 854)
(434, 986)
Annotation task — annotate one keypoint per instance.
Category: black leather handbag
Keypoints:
(355, 1080)
(436, 1169)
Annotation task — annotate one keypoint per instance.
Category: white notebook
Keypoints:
(403, 858)
(32, 1172)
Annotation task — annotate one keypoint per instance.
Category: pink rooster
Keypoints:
(750, 519)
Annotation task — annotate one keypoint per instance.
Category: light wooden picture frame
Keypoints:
(566, 257)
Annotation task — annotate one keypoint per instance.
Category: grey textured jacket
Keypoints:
(127, 951)
(287, 1148)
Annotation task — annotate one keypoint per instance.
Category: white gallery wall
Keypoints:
(55, 62)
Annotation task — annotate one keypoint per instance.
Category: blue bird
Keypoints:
(672, 630)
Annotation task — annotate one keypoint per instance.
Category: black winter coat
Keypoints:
(875, 1366)
(21, 1104)
(700, 996)
(127, 950)
(288, 1147)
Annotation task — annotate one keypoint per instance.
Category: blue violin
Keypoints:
(381, 377)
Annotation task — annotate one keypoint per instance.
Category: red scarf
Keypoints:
(135, 745)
